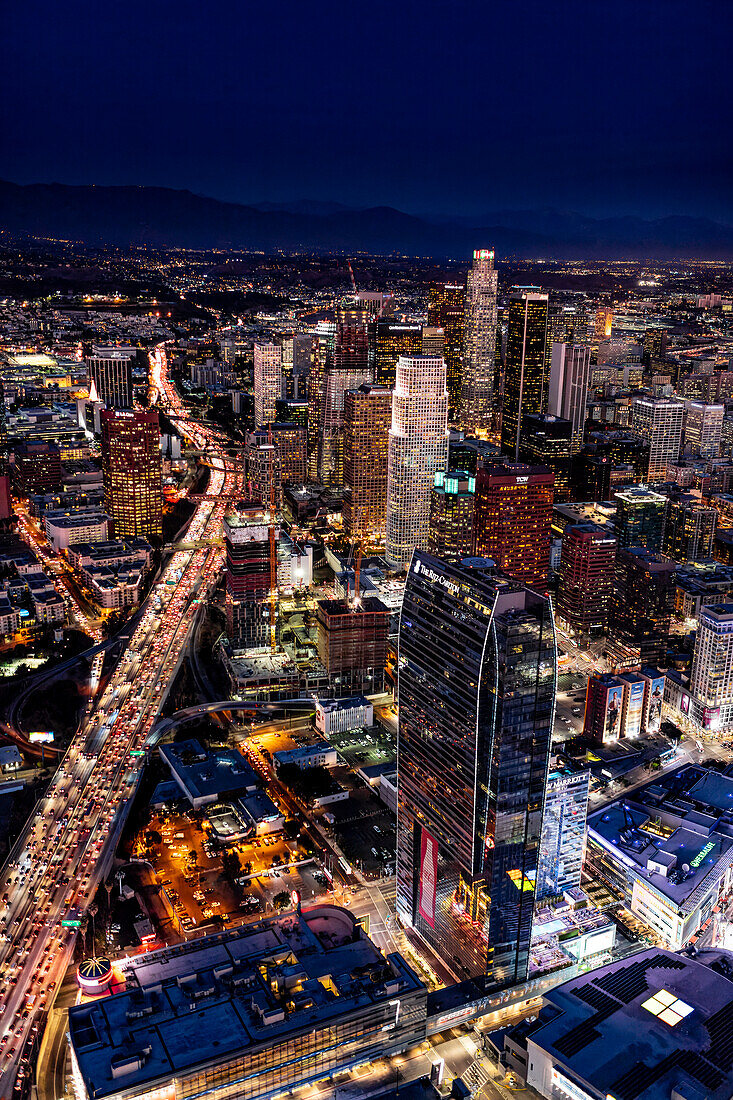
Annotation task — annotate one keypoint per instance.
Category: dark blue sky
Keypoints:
(455, 107)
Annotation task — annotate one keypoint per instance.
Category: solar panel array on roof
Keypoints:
(631, 982)
(595, 997)
(720, 1030)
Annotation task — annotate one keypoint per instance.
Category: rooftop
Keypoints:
(234, 992)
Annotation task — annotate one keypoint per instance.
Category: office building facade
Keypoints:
(568, 387)
(546, 440)
(688, 533)
(445, 311)
(111, 375)
(478, 663)
(703, 429)
(268, 381)
(659, 422)
(479, 341)
(585, 587)
(246, 537)
(524, 370)
(418, 449)
(391, 340)
(640, 517)
(367, 419)
(451, 514)
(132, 471)
(512, 518)
(352, 643)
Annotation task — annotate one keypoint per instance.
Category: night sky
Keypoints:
(453, 108)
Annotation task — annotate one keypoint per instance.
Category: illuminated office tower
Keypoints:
(603, 323)
(478, 668)
(659, 422)
(445, 310)
(451, 514)
(688, 532)
(511, 520)
(524, 371)
(711, 678)
(433, 342)
(703, 429)
(568, 387)
(298, 352)
(111, 374)
(479, 340)
(585, 588)
(325, 340)
(268, 381)
(132, 471)
(563, 833)
(393, 339)
(418, 448)
(640, 517)
(367, 418)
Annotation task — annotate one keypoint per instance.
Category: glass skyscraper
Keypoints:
(477, 672)
(524, 373)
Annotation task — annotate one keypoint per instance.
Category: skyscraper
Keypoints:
(659, 422)
(268, 381)
(418, 448)
(445, 310)
(511, 520)
(568, 386)
(111, 374)
(524, 372)
(585, 589)
(433, 342)
(367, 418)
(451, 514)
(347, 369)
(688, 533)
(132, 471)
(711, 678)
(479, 341)
(703, 429)
(246, 535)
(563, 832)
(640, 517)
(477, 679)
(393, 339)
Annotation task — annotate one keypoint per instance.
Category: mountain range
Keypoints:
(168, 218)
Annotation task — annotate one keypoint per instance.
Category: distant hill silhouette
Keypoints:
(169, 218)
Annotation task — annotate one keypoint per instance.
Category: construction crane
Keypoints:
(351, 276)
(273, 547)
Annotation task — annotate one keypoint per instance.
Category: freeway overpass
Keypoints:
(301, 705)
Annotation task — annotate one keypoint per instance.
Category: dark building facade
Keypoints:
(246, 536)
(391, 340)
(478, 663)
(511, 520)
(111, 375)
(547, 441)
(37, 467)
(352, 643)
(585, 587)
(643, 601)
(525, 380)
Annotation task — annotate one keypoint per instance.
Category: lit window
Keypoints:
(667, 1007)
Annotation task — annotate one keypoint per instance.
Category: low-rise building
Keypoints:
(342, 715)
(65, 528)
(205, 777)
(263, 1009)
(320, 755)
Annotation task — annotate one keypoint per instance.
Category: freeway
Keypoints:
(65, 848)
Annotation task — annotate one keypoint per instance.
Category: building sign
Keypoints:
(422, 570)
(612, 723)
(634, 709)
(685, 704)
(428, 876)
(702, 853)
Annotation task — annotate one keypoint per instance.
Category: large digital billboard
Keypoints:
(634, 709)
(614, 704)
(655, 688)
(685, 704)
(428, 876)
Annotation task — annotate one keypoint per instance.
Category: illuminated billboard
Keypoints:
(428, 876)
(685, 704)
(654, 706)
(634, 708)
(612, 724)
(711, 718)
(44, 736)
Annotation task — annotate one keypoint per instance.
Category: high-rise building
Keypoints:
(367, 418)
(689, 528)
(568, 386)
(477, 680)
(640, 517)
(132, 470)
(418, 448)
(37, 466)
(547, 441)
(325, 339)
(111, 373)
(352, 644)
(643, 600)
(445, 310)
(290, 442)
(585, 588)
(524, 370)
(433, 342)
(563, 833)
(511, 520)
(393, 339)
(246, 536)
(451, 514)
(348, 369)
(268, 381)
(298, 352)
(603, 323)
(659, 422)
(479, 341)
(703, 429)
(711, 677)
